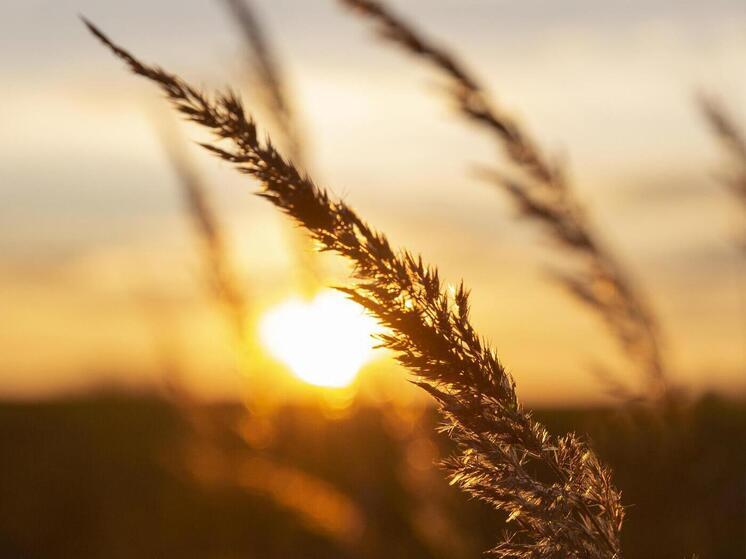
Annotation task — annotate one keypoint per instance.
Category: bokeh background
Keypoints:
(130, 426)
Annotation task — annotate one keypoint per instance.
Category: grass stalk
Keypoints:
(277, 99)
(733, 141)
(219, 270)
(543, 194)
(553, 489)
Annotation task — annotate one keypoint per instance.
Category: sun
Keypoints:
(324, 341)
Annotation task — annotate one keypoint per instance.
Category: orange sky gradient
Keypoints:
(100, 281)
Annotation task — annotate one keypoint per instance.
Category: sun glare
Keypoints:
(324, 341)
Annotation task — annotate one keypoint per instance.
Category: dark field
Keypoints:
(106, 476)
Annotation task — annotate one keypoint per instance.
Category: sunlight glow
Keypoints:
(324, 341)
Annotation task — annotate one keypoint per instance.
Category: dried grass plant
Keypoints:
(219, 269)
(270, 83)
(318, 504)
(733, 141)
(277, 99)
(274, 93)
(553, 489)
(542, 193)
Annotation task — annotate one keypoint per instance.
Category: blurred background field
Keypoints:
(245, 412)
(106, 475)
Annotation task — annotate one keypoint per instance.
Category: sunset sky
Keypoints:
(98, 270)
